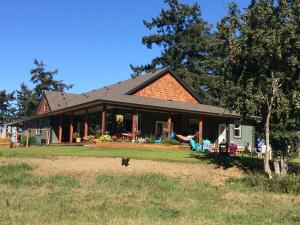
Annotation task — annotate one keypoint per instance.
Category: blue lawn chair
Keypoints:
(158, 140)
(195, 147)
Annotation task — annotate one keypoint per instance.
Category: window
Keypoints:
(44, 107)
(237, 130)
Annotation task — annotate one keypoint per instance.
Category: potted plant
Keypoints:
(76, 136)
(119, 119)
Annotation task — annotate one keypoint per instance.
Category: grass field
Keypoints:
(155, 154)
(26, 198)
(135, 199)
(185, 156)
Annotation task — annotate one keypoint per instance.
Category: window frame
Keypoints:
(239, 128)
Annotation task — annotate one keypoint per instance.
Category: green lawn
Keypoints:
(26, 198)
(296, 161)
(152, 154)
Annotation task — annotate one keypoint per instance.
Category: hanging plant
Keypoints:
(119, 119)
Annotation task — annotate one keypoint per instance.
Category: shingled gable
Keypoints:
(166, 85)
(44, 106)
(55, 100)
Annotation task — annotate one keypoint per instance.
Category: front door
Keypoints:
(222, 133)
(161, 129)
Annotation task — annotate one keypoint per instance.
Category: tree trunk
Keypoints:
(284, 164)
(267, 133)
(276, 165)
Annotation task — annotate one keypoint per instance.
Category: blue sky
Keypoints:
(91, 42)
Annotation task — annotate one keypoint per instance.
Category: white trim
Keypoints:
(239, 128)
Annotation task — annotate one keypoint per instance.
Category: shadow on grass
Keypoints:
(244, 163)
(247, 164)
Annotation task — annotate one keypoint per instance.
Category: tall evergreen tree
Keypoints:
(26, 102)
(44, 80)
(261, 63)
(7, 110)
(186, 47)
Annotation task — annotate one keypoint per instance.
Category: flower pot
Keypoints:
(78, 140)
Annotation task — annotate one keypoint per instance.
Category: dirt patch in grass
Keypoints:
(88, 167)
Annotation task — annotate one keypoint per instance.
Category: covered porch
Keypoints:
(123, 122)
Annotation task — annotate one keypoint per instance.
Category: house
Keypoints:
(152, 104)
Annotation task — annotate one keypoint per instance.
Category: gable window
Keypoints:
(237, 129)
(44, 107)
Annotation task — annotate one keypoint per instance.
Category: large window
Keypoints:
(237, 130)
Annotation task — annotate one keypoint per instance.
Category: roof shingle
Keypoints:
(118, 93)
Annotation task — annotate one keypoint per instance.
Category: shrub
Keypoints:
(289, 184)
(89, 139)
(32, 140)
(105, 138)
(76, 135)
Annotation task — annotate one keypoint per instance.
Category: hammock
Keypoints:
(182, 138)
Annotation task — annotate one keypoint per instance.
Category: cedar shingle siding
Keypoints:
(43, 107)
(167, 88)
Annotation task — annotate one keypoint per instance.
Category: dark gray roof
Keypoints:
(58, 100)
(118, 93)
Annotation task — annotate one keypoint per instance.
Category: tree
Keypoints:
(44, 80)
(186, 45)
(6, 107)
(26, 102)
(261, 69)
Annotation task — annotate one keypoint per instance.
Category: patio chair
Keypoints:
(207, 146)
(157, 141)
(195, 147)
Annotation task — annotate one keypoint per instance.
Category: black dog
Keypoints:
(125, 161)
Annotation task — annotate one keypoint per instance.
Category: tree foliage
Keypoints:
(260, 49)
(44, 80)
(27, 102)
(7, 110)
(186, 45)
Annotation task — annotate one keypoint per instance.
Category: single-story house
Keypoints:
(154, 104)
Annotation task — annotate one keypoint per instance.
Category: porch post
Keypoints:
(16, 136)
(60, 129)
(200, 129)
(71, 128)
(86, 126)
(103, 121)
(134, 118)
(169, 125)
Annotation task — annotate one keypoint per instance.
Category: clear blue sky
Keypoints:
(91, 42)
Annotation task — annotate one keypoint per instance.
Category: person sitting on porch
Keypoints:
(223, 147)
(233, 148)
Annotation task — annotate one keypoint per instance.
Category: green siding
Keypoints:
(247, 136)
